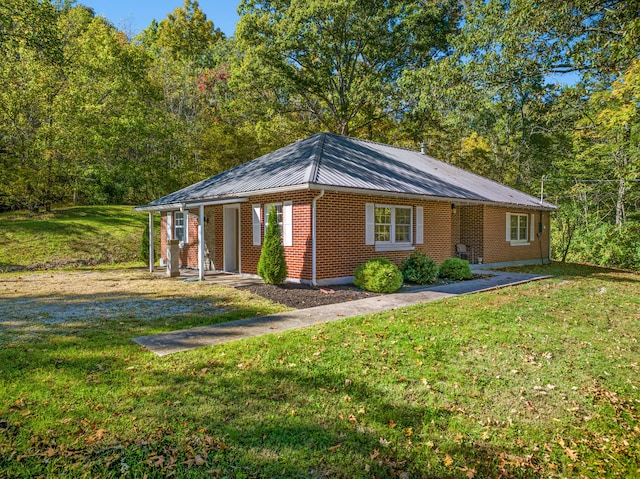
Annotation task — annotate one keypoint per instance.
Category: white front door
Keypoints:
(231, 227)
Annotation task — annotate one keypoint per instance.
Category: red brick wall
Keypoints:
(188, 256)
(496, 247)
(298, 255)
(341, 232)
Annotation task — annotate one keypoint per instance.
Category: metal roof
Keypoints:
(333, 161)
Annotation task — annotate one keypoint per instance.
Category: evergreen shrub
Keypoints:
(419, 268)
(378, 275)
(456, 269)
(272, 265)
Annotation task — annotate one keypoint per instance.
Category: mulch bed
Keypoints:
(300, 296)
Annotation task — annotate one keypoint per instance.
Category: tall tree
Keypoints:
(338, 61)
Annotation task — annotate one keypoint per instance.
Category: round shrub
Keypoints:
(456, 269)
(419, 268)
(378, 275)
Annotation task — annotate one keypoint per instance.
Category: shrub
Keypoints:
(378, 275)
(419, 268)
(456, 269)
(272, 265)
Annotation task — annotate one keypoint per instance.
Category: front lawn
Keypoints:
(540, 380)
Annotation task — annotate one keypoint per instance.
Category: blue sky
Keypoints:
(132, 16)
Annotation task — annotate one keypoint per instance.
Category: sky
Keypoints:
(133, 16)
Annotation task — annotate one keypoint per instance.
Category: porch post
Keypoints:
(201, 243)
(151, 242)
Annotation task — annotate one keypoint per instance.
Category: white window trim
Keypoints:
(391, 245)
(286, 226)
(171, 226)
(256, 213)
(518, 242)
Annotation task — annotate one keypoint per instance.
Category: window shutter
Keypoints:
(169, 226)
(256, 225)
(532, 230)
(419, 225)
(287, 223)
(508, 226)
(370, 224)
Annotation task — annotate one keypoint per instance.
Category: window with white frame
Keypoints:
(181, 226)
(284, 212)
(267, 210)
(518, 228)
(392, 224)
(390, 227)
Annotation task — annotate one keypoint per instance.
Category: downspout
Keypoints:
(313, 238)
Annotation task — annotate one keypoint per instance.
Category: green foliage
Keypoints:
(378, 275)
(339, 60)
(272, 265)
(456, 269)
(419, 268)
(608, 245)
(71, 236)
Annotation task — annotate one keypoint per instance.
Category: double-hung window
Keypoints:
(180, 227)
(519, 228)
(390, 227)
(284, 212)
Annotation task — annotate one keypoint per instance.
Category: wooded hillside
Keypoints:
(540, 95)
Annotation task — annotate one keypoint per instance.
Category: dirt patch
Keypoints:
(300, 296)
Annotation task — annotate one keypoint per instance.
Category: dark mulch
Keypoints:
(300, 296)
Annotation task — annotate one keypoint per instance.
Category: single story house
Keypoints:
(342, 201)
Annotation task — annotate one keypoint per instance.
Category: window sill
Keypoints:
(519, 243)
(395, 247)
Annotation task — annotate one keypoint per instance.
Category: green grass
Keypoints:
(70, 237)
(540, 380)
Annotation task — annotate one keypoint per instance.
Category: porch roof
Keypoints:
(331, 161)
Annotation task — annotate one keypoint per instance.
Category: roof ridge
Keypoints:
(315, 161)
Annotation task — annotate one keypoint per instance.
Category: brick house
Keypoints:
(341, 201)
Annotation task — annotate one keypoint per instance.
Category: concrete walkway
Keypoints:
(186, 339)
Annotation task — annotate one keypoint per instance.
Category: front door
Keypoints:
(231, 227)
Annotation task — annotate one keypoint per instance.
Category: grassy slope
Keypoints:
(535, 381)
(88, 235)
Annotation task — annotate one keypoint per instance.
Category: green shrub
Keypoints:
(272, 265)
(456, 269)
(419, 268)
(378, 275)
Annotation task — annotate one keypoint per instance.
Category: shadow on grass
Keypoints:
(575, 270)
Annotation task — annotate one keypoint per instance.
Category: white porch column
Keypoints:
(151, 242)
(201, 243)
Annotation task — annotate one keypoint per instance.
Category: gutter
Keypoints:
(313, 237)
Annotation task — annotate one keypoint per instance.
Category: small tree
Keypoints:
(272, 266)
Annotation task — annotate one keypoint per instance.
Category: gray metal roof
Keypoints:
(327, 160)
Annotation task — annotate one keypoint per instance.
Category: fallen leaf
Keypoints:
(448, 461)
(335, 448)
